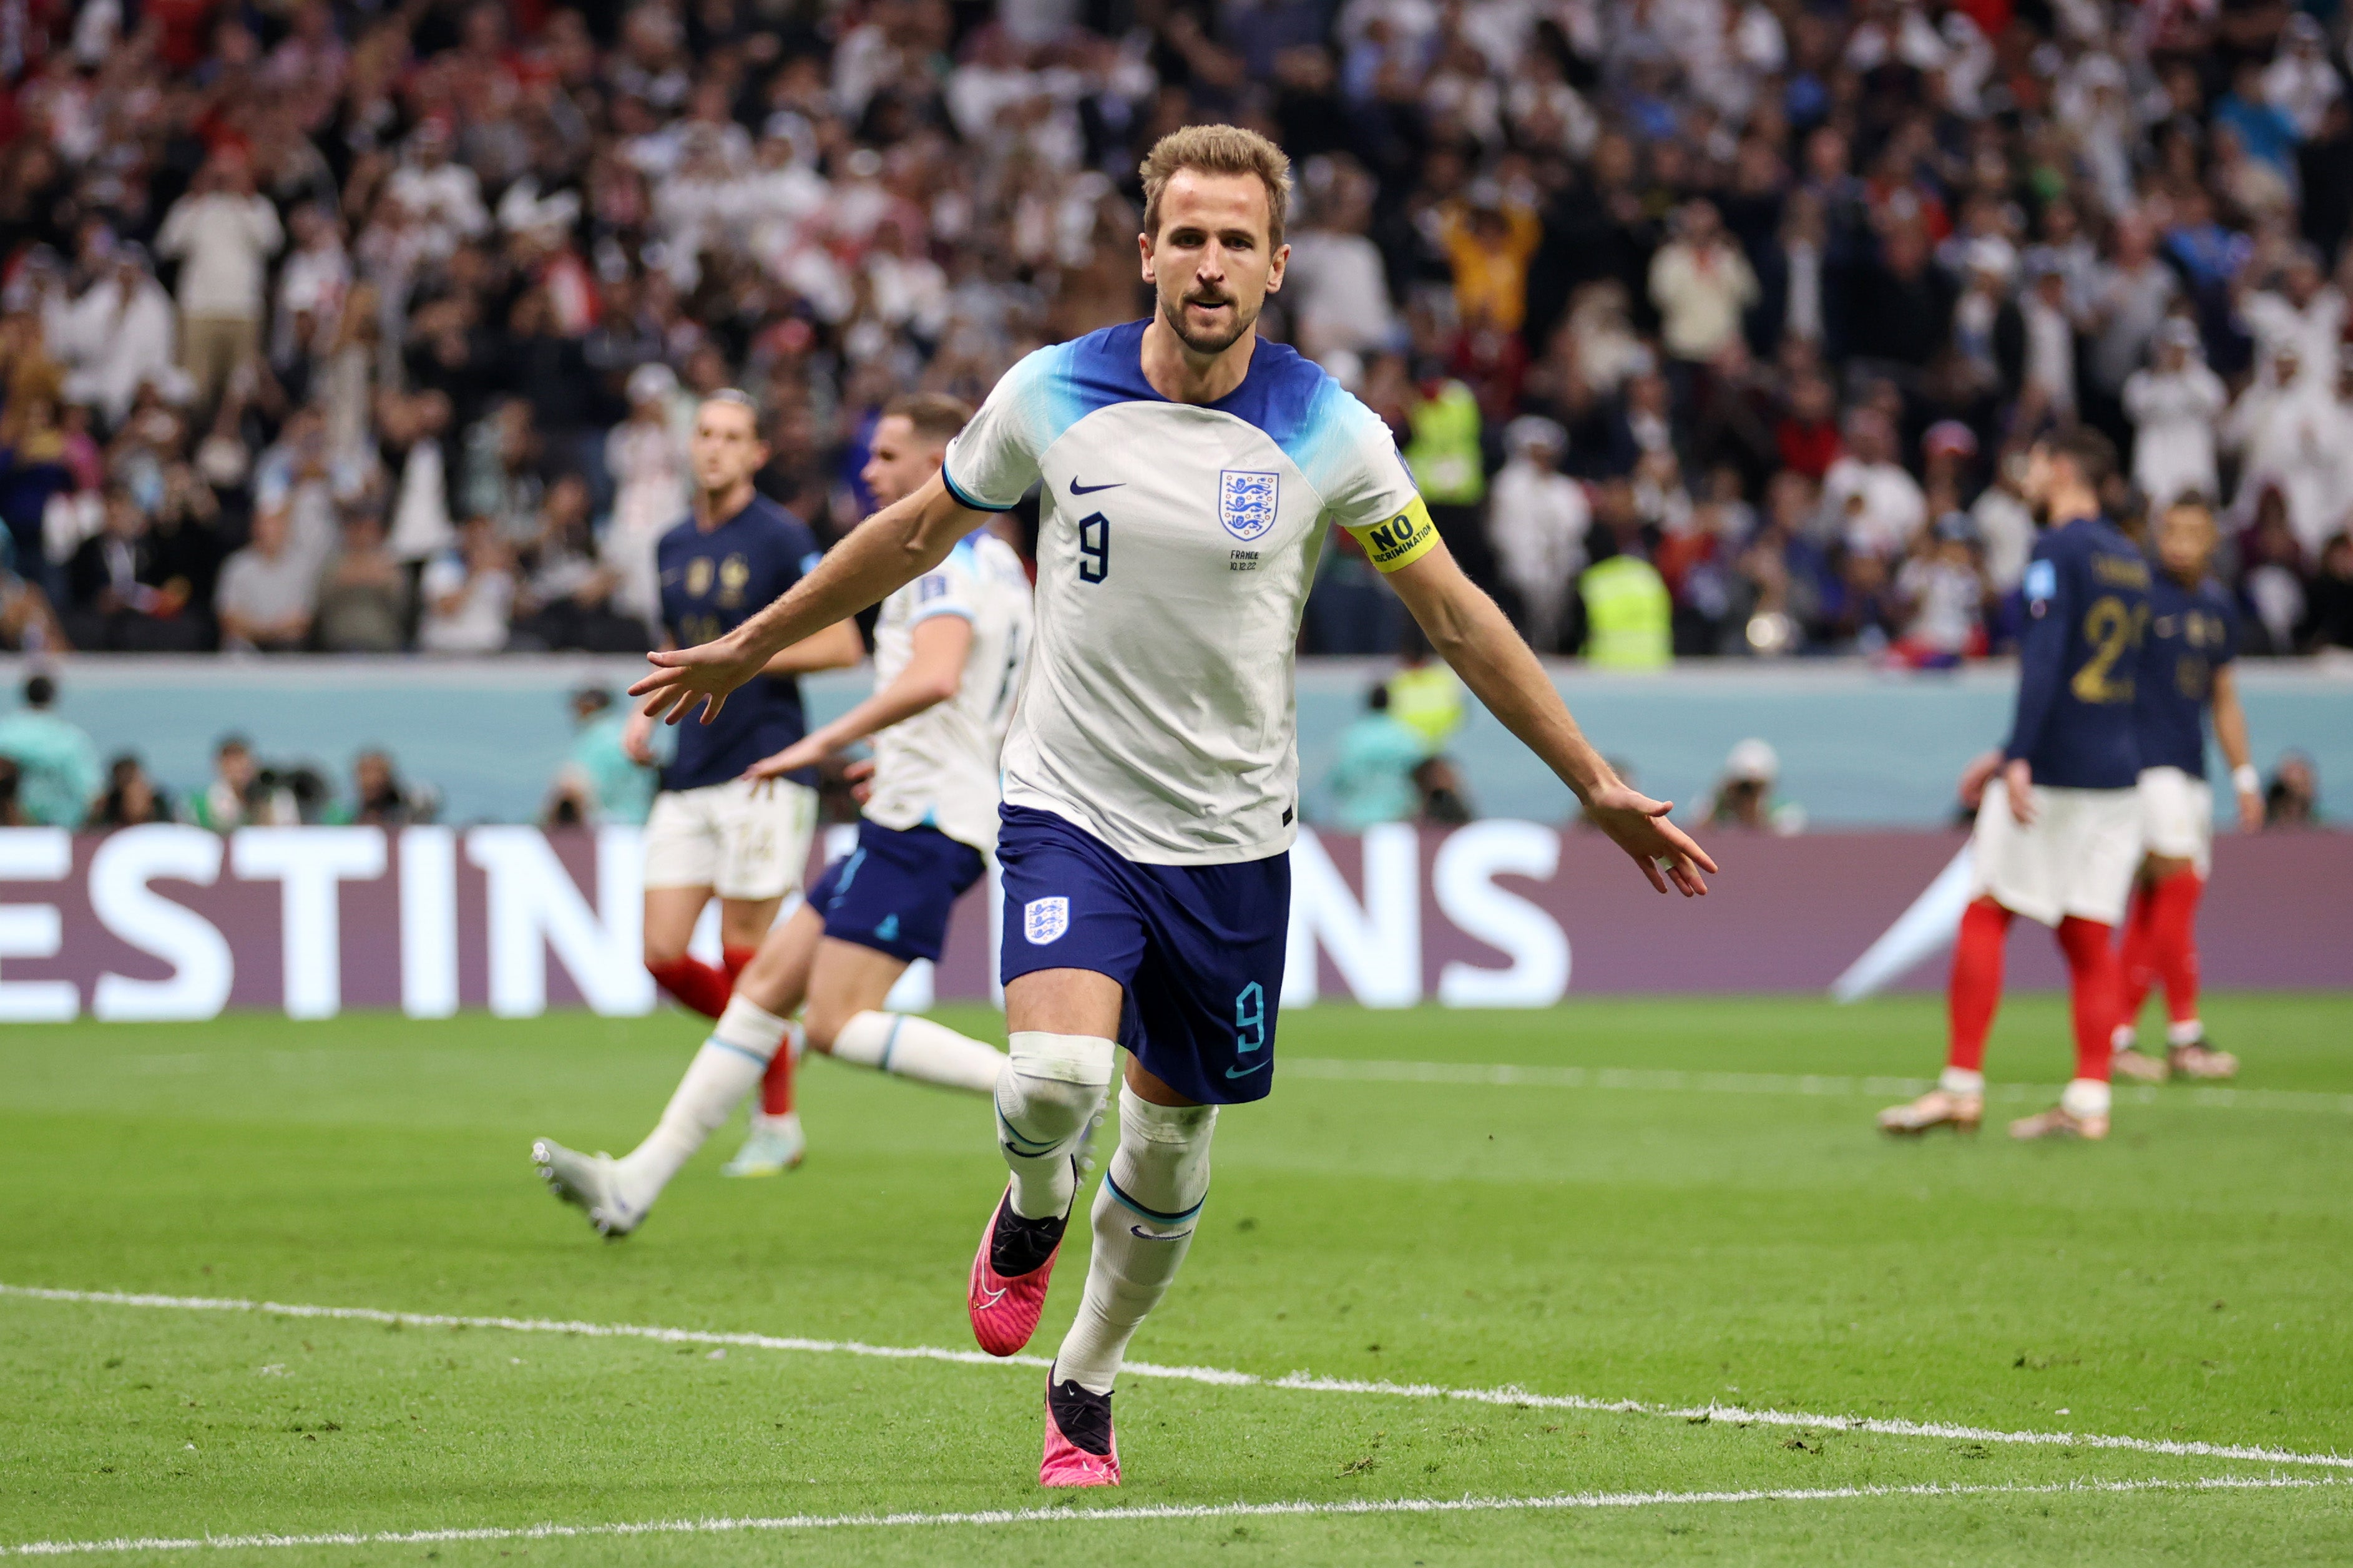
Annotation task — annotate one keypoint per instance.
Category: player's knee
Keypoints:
(1164, 1155)
(2166, 867)
(1052, 1083)
(663, 950)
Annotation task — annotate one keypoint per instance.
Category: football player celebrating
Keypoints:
(2193, 634)
(712, 831)
(2058, 823)
(948, 651)
(1189, 471)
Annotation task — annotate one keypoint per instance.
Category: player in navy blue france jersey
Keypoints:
(2186, 674)
(2058, 824)
(949, 650)
(710, 832)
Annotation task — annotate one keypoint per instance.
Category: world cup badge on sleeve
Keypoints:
(1246, 500)
(1044, 919)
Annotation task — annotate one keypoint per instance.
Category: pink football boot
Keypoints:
(1005, 1308)
(1080, 1450)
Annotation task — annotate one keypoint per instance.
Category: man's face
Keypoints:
(899, 462)
(2185, 542)
(1212, 265)
(2034, 485)
(727, 449)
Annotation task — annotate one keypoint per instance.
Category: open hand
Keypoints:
(1977, 775)
(2251, 811)
(1639, 824)
(703, 673)
(637, 740)
(800, 754)
(2019, 780)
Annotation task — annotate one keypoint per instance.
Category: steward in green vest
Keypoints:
(1629, 615)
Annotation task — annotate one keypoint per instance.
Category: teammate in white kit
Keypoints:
(948, 652)
(1187, 472)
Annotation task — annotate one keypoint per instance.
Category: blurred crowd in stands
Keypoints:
(1707, 327)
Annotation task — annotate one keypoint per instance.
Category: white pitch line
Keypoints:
(1505, 1074)
(1154, 1514)
(1298, 1381)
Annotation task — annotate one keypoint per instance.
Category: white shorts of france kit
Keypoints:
(2176, 816)
(2077, 857)
(743, 841)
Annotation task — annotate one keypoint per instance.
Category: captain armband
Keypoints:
(1400, 541)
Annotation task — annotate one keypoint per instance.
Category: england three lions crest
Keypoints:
(1246, 500)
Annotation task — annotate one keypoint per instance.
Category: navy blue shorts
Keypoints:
(1199, 948)
(893, 892)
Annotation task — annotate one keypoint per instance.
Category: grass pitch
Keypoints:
(1716, 1224)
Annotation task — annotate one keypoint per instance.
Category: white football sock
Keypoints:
(1144, 1212)
(2188, 1032)
(1961, 1081)
(727, 1068)
(2085, 1097)
(2125, 1038)
(1049, 1088)
(920, 1049)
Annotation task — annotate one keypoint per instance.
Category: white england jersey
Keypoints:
(1176, 547)
(939, 768)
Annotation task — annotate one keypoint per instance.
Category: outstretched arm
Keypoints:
(895, 546)
(933, 670)
(1470, 634)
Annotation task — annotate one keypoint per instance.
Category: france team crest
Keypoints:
(1246, 499)
(1044, 919)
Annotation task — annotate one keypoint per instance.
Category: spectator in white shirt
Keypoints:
(117, 337)
(443, 199)
(2300, 83)
(2304, 313)
(266, 593)
(1701, 282)
(224, 236)
(1536, 521)
(468, 593)
(1334, 283)
(310, 287)
(2282, 426)
(1872, 502)
(2173, 405)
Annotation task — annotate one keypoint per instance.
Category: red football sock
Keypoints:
(694, 983)
(2175, 930)
(776, 1087)
(2092, 995)
(2138, 964)
(737, 960)
(1976, 988)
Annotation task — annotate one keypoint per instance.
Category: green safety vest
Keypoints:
(1629, 615)
(1443, 450)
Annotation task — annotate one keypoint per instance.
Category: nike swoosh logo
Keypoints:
(991, 1298)
(1140, 1232)
(1078, 489)
(1246, 1071)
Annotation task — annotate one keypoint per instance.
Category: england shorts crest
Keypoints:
(1044, 919)
(1246, 500)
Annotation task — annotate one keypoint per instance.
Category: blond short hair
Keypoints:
(1219, 150)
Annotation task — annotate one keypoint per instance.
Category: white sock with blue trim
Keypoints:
(1144, 1212)
(918, 1048)
(728, 1067)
